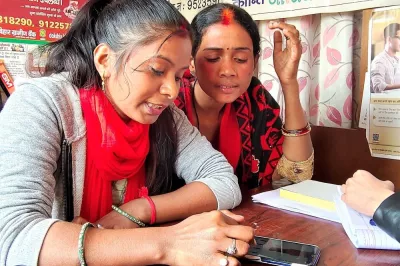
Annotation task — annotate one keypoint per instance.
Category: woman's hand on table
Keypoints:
(203, 239)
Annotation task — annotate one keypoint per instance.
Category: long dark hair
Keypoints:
(123, 25)
(213, 14)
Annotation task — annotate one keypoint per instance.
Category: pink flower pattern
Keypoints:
(328, 70)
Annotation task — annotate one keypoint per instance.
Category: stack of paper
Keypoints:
(273, 199)
(361, 230)
(317, 194)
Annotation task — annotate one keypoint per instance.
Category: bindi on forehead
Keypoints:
(227, 16)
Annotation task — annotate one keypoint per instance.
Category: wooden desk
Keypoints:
(336, 247)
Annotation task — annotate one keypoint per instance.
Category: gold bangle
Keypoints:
(296, 171)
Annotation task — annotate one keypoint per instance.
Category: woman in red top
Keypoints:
(233, 110)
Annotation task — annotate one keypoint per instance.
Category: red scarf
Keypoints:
(229, 143)
(115, 150)
(229, 136)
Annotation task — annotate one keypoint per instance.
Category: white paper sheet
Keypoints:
(361, 230)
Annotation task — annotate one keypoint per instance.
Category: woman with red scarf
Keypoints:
(98, 141)
(233, 110)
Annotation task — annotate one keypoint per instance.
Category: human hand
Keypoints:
(202, 239)
(364, 192)
(286, 61)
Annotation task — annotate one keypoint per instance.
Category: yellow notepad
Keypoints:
(310, 192)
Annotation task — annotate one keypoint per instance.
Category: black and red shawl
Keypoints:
(260, 126)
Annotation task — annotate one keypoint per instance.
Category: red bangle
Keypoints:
(296, 132)
(144, 193)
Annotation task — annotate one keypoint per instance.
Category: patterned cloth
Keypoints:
(260, 130)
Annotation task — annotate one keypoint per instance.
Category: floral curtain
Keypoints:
(329, 66)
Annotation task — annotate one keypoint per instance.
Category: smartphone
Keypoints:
(283, 253)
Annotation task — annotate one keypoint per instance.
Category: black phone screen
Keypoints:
(285, 251)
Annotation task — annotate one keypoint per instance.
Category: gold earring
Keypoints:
(103, 85)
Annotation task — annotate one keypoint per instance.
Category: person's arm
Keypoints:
(207, 174)
(104, 247)
(297, 160)
(200, 239)
(286, 64)
(30, 141)
(387, 216)
(299, 148)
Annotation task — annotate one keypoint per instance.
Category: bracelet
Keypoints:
(296, 132)
(81, 242)
(144, 193)
(296, 171)
(127, 215)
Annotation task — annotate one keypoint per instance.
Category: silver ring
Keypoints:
(223, 262)
(231, 250)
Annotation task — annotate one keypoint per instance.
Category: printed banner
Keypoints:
(189, 8)
(273, 9)
(383, 84)
(18, 58)
(37, 20)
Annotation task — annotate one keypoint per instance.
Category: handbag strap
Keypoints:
(66, 173)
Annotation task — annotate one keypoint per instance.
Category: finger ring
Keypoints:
(255, 226)
(223, 262)
(231, 250)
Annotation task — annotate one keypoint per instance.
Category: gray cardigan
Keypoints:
(32, 123)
